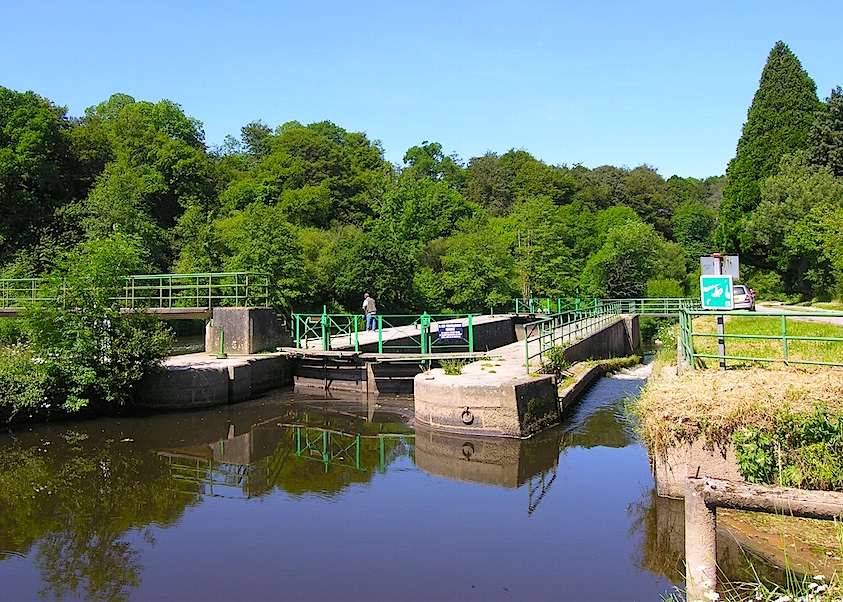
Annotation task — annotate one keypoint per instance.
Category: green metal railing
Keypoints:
(425, 333)
(563, 329)
(237, 289)
(668, 306)
(548, 305)
(160, 291)
(784, 346)
(652, 306)
(16, 293)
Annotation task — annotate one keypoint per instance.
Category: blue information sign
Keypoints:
(450, 331)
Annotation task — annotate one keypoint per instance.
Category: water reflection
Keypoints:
(295, 452)
(97, 508)
(492, 460)
(72, 500)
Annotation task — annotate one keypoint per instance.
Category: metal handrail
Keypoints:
(328, 331)
(567, 327)
(656, 305)
(159, 291)
(694, 359)
(643, 305)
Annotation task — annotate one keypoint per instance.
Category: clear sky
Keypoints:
(663, 82)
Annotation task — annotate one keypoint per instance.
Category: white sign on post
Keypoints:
(720, 265)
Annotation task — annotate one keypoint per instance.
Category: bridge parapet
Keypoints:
(151, 292)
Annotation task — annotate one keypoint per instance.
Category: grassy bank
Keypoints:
(737, 327)
(785, 424)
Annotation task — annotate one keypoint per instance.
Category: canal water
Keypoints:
(296, 497)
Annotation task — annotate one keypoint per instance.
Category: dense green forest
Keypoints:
(131, 187)
(132, 184)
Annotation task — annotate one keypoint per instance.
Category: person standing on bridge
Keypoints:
(370, 310)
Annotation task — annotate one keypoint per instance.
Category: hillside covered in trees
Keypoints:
(131, 187)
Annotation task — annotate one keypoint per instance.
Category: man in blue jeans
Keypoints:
(371, 312)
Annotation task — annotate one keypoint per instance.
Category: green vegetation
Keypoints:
(131, 187)
(453, 367)
(803, 451)
(555, 362)
(86, 355)
(745, 327)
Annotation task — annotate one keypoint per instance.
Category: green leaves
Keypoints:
(625, 262)
(778, 123)
(804, 450)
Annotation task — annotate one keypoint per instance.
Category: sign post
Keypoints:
(716, 293)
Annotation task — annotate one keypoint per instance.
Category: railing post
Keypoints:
(470, 334)
(221, 355)
(425, 332)
(356, 334)
(527, 350)
(326, 333)
(784, 338)
(380, 333)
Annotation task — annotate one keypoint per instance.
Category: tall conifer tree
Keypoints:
(778, 122)
(826, 139)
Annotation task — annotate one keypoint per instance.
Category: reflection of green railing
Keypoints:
(784, 345)
(336, 447)
(425, 333)
(216, 479)
(153, 291)
(562, 329)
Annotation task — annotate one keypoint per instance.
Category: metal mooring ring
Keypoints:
(467, 416)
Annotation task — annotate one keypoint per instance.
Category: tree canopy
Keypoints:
(320, 209)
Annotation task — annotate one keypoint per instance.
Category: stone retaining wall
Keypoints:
(200, 381)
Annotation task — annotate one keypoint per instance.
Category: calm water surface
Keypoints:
(302, 498)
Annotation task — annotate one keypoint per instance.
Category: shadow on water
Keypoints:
(83, 506)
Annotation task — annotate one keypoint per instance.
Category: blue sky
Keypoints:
(622, 83)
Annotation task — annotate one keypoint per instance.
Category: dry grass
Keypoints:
(712, 404)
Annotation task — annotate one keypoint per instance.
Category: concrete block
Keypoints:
(178, 389)
(511, 408)
(245, 330)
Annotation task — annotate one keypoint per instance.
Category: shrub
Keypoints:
(796, 450)
(555, 362)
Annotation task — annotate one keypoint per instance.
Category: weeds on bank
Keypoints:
(806, 589)
(453, 367)
(555, 362)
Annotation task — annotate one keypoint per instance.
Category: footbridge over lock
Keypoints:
(497, 358)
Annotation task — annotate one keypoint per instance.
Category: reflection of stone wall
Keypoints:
(494, 461)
